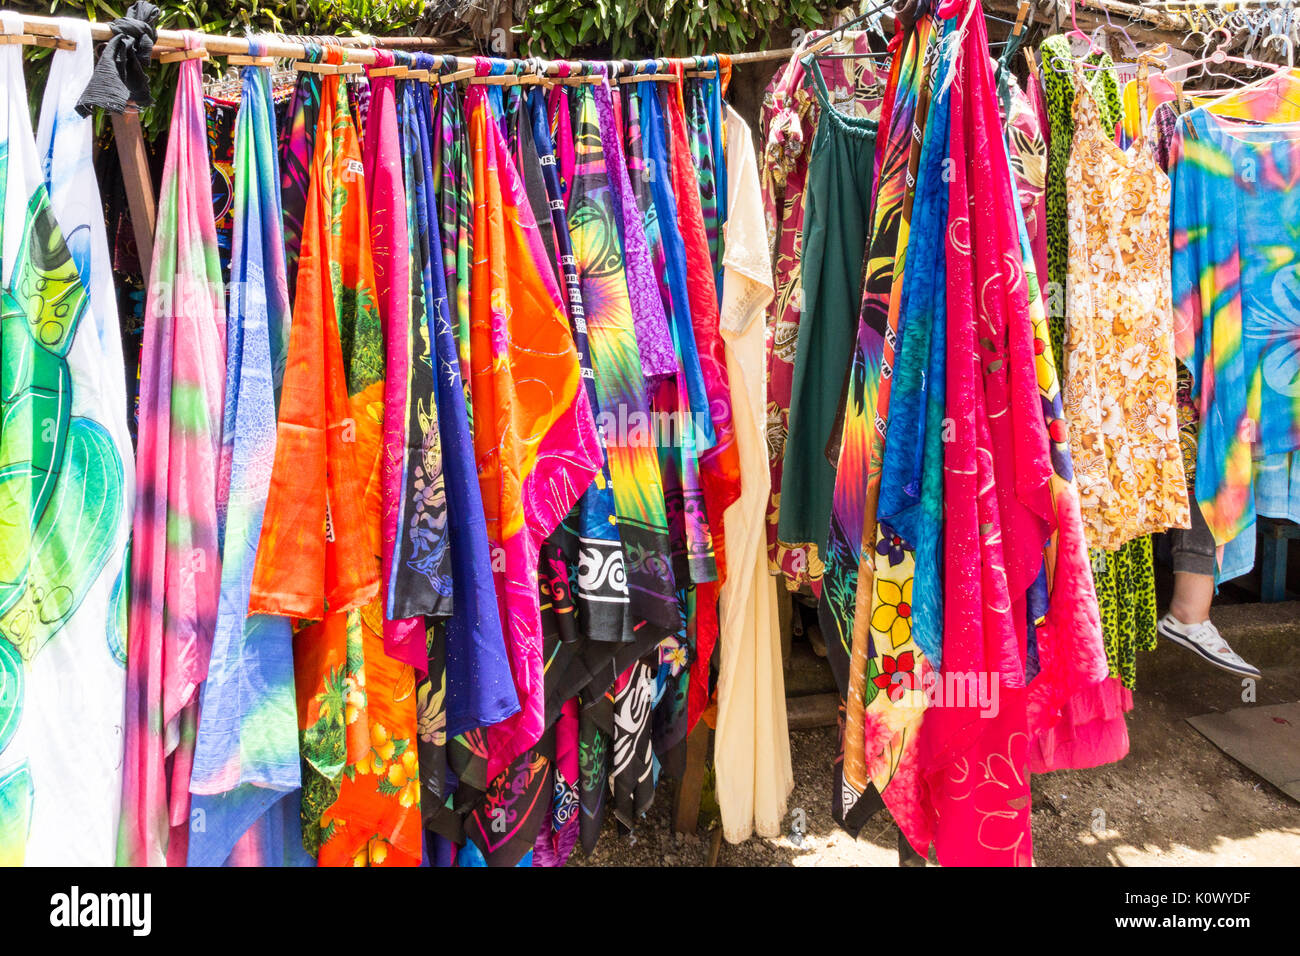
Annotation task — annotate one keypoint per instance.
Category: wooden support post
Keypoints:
(129, 136)
(1274, 536)
(686, 814)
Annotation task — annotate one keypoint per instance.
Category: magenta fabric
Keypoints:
(382, 154)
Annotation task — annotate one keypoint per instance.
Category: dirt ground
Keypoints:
(1175, 800)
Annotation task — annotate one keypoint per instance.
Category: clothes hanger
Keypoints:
(1113, 26)
(1076, 32)
(838, 34)
(1282, 34)
(1220, 56)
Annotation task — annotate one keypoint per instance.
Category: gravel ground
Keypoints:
(1176, 800)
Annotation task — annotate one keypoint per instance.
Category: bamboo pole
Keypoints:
(360, 49)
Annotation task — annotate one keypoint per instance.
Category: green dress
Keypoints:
(837, 209)
(1125, 579)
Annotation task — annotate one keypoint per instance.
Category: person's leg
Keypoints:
(1193, 595)
(1188, 621)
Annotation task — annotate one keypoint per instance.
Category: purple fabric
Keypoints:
(654, 341)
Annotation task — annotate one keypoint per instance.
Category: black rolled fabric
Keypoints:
(121, 76)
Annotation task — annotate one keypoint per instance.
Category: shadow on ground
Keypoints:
(1176, 799)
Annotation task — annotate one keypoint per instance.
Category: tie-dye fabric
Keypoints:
(246, 749)
(654, 341)
(587, 541)
(620, 382)
(176, 561)
(698, 100)
(66, 480)
(221, 160)
(720, 463)
(1233, 267)
(297, 144)
(534, 437)
(682, 396)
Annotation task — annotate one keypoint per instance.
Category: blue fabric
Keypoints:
(246, 743)
(655, 142)
(1234, 251)
(596, 516)
(480, 690)
(911, 481)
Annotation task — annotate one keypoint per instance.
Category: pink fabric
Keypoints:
(997, 488)
(534, 434)
(1091, 731)
(175, 562)
(382, 154)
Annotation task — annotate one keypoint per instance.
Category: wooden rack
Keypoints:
(360, 49)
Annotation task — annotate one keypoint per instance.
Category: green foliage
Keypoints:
(258, 16)
(552, 28)
(637, 28)
(228, 17)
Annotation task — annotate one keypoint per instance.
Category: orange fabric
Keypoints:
(535, 441)
(316, 552)
(318, 557)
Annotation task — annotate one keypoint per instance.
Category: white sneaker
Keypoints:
(1205, 640)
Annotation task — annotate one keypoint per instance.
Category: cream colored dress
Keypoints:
(752, 746)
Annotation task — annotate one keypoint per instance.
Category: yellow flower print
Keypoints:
(373, 853)
(355, 695)
(382, 748)
(893, 615)
(404, 776)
